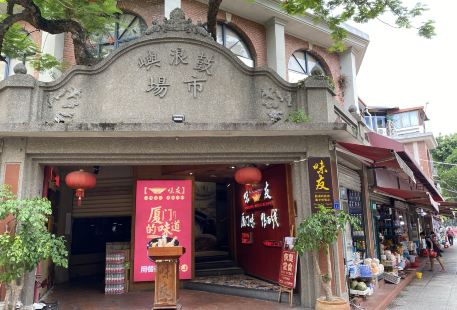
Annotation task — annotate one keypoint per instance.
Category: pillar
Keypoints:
(170, 5)
(276, 46)
(348, 70)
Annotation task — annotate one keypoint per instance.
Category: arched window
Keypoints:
(231, 40)
(300, 65)
(126, 28)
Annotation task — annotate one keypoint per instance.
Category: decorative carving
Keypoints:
(178, 23)
(271, 98)
(70, 97)
(275, 115)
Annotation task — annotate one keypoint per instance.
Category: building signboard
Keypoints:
(320, 181)
(163, 208)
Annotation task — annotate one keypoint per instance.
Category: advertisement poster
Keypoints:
(288, 269)
(320, 181)
(163, 208)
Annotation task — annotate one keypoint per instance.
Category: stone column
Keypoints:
(348, 70)
(276, 46)
(170, 5)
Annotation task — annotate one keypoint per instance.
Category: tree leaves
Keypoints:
(321, 229)
(21, 251)
(336, 12)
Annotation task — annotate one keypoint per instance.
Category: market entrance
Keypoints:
(105, 222)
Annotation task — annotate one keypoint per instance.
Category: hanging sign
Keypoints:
(163, 208)
(320, 181)
(257, 196)
(288, 269)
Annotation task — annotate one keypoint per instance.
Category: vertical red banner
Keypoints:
(163, 207)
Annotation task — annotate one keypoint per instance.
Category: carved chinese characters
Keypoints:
(159, 85)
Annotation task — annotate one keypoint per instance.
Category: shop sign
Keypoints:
(288, 269)
(266, 220)
(320, 181)
(257, 196)
(163, 208)
(273, 243)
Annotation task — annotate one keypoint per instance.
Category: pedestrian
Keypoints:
(450, 235)
(434, 245)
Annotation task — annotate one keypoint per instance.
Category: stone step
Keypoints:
(241, 291)
(218, 271)
(215, 264)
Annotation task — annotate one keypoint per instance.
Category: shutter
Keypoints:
(111, 197)
(380, 199)
(349, 178)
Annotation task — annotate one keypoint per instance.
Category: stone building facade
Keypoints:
(124, 110)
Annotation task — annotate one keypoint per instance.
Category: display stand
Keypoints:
(283, 289)
(166, 293)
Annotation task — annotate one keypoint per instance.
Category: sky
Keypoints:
(402, 69)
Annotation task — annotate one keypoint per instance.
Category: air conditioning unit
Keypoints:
(382, 131)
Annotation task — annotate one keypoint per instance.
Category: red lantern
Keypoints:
(248, 175)
(80, 181)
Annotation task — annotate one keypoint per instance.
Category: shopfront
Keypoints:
(172, 106)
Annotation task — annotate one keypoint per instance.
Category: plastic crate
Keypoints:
(391, 278)
(359, 293)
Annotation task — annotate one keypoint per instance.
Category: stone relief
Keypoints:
(151, 59)
(178, 22)
(68, 98)
(272, 99)
(275, 115)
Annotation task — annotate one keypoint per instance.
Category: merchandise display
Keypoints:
(363, 275)
(117, 268)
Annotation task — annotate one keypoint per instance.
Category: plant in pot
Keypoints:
(24, 245)
(316, 234)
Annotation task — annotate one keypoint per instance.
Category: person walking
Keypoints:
(450, 235)
(433, 245)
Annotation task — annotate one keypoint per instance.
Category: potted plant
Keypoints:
(316, 234)
(27, 243)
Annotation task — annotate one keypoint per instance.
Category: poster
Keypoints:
(288, 269)
(163, 207)
(320, 181)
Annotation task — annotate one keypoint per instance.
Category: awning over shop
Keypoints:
(379, 157)
(416, 197)
(385, 142)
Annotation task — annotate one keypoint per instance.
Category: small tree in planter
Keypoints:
(318, 232)
(30, 243)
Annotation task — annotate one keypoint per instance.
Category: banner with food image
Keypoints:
(163, 213)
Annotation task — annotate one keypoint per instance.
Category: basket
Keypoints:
(359, 293)
(391, 278)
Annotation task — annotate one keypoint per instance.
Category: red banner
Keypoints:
(163, 207)
(288, 269)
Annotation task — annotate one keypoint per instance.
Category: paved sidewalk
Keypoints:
(435, 291)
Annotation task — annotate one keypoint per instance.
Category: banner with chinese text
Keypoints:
(163, 207)
(288, 269)
(320, 181)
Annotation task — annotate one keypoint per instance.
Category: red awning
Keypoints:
(401, 193)
(379, 157)
(416, 197)
(378, 140)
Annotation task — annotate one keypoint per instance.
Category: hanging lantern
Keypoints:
(80, 181)
(248, 175)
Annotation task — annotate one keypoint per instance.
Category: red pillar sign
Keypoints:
(163, 208)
